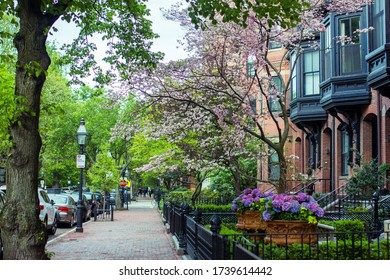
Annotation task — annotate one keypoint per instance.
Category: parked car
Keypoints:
(99, 197)
(92, 200)
(66, 208)
(68, 189)
(48, 213)
(86, 206)
(2, 201)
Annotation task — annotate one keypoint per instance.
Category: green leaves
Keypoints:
(284, 13)
(122, 27)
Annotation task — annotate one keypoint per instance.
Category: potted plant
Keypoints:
(288, 217)
(249, 206)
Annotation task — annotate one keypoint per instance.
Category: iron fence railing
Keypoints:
(208, 244)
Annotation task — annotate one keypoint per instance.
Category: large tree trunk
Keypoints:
(23, 233)
(234, 169)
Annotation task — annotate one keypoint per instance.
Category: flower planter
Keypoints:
(250, 220)
(282, 232)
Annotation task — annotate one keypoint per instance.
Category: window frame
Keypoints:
(346, 50)
(274, 106)
(345, 151)
(273, 165)
(377, 15)
(315, 84)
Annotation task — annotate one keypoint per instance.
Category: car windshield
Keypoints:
(60, 199)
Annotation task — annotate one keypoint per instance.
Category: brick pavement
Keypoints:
(135, 234)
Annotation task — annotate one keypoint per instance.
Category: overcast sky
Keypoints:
(169, 31)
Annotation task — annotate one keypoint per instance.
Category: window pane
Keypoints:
(316, 61)
(308, 84)
(273, 165)
(351, 59)
(308, 62)
(350, 48)
(274, 45)
(344, 152)
(355, 25)
(311, 73)
(293, 77)
(250, 66)
(293, 88)
(316, 83)
(327, 54)
(378, 34)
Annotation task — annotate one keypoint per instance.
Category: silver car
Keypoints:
(66, 209)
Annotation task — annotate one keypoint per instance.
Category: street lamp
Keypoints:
(128, 193)
(82, 141)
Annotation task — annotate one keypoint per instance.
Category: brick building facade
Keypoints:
(339, 99)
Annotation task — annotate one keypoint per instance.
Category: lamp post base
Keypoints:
(79, 230)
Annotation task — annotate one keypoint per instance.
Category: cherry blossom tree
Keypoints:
(200, 145)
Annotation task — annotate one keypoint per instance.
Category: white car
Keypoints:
(48, 213)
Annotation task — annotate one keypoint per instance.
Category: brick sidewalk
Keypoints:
(135, 234)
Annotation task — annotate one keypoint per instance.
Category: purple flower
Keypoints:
(266, 216)
(302, 197)
(247, 191)
(295, 207)
(247, 202)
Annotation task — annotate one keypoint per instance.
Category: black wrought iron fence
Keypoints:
(327, 246)
(201, 243)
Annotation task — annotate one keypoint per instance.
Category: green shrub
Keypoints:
(360, 209)
(345, 228)
(345, 225)
(332, 250)
(178, 197)
(227, 229)
(367, 178)
(213, 208)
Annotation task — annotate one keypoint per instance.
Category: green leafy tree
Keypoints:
(278, 12)
(124, 24)
(58, 130)
(367, 178)
(103, 175)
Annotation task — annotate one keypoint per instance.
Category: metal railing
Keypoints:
(198, 242)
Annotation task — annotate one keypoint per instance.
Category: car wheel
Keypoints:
(53, 228)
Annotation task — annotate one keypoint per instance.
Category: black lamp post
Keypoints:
(82, 141)
(128, 196)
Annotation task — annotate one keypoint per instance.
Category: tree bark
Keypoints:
(281, 187)
(23, 233)
(236, 175)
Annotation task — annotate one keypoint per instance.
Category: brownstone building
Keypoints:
(338, 100)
